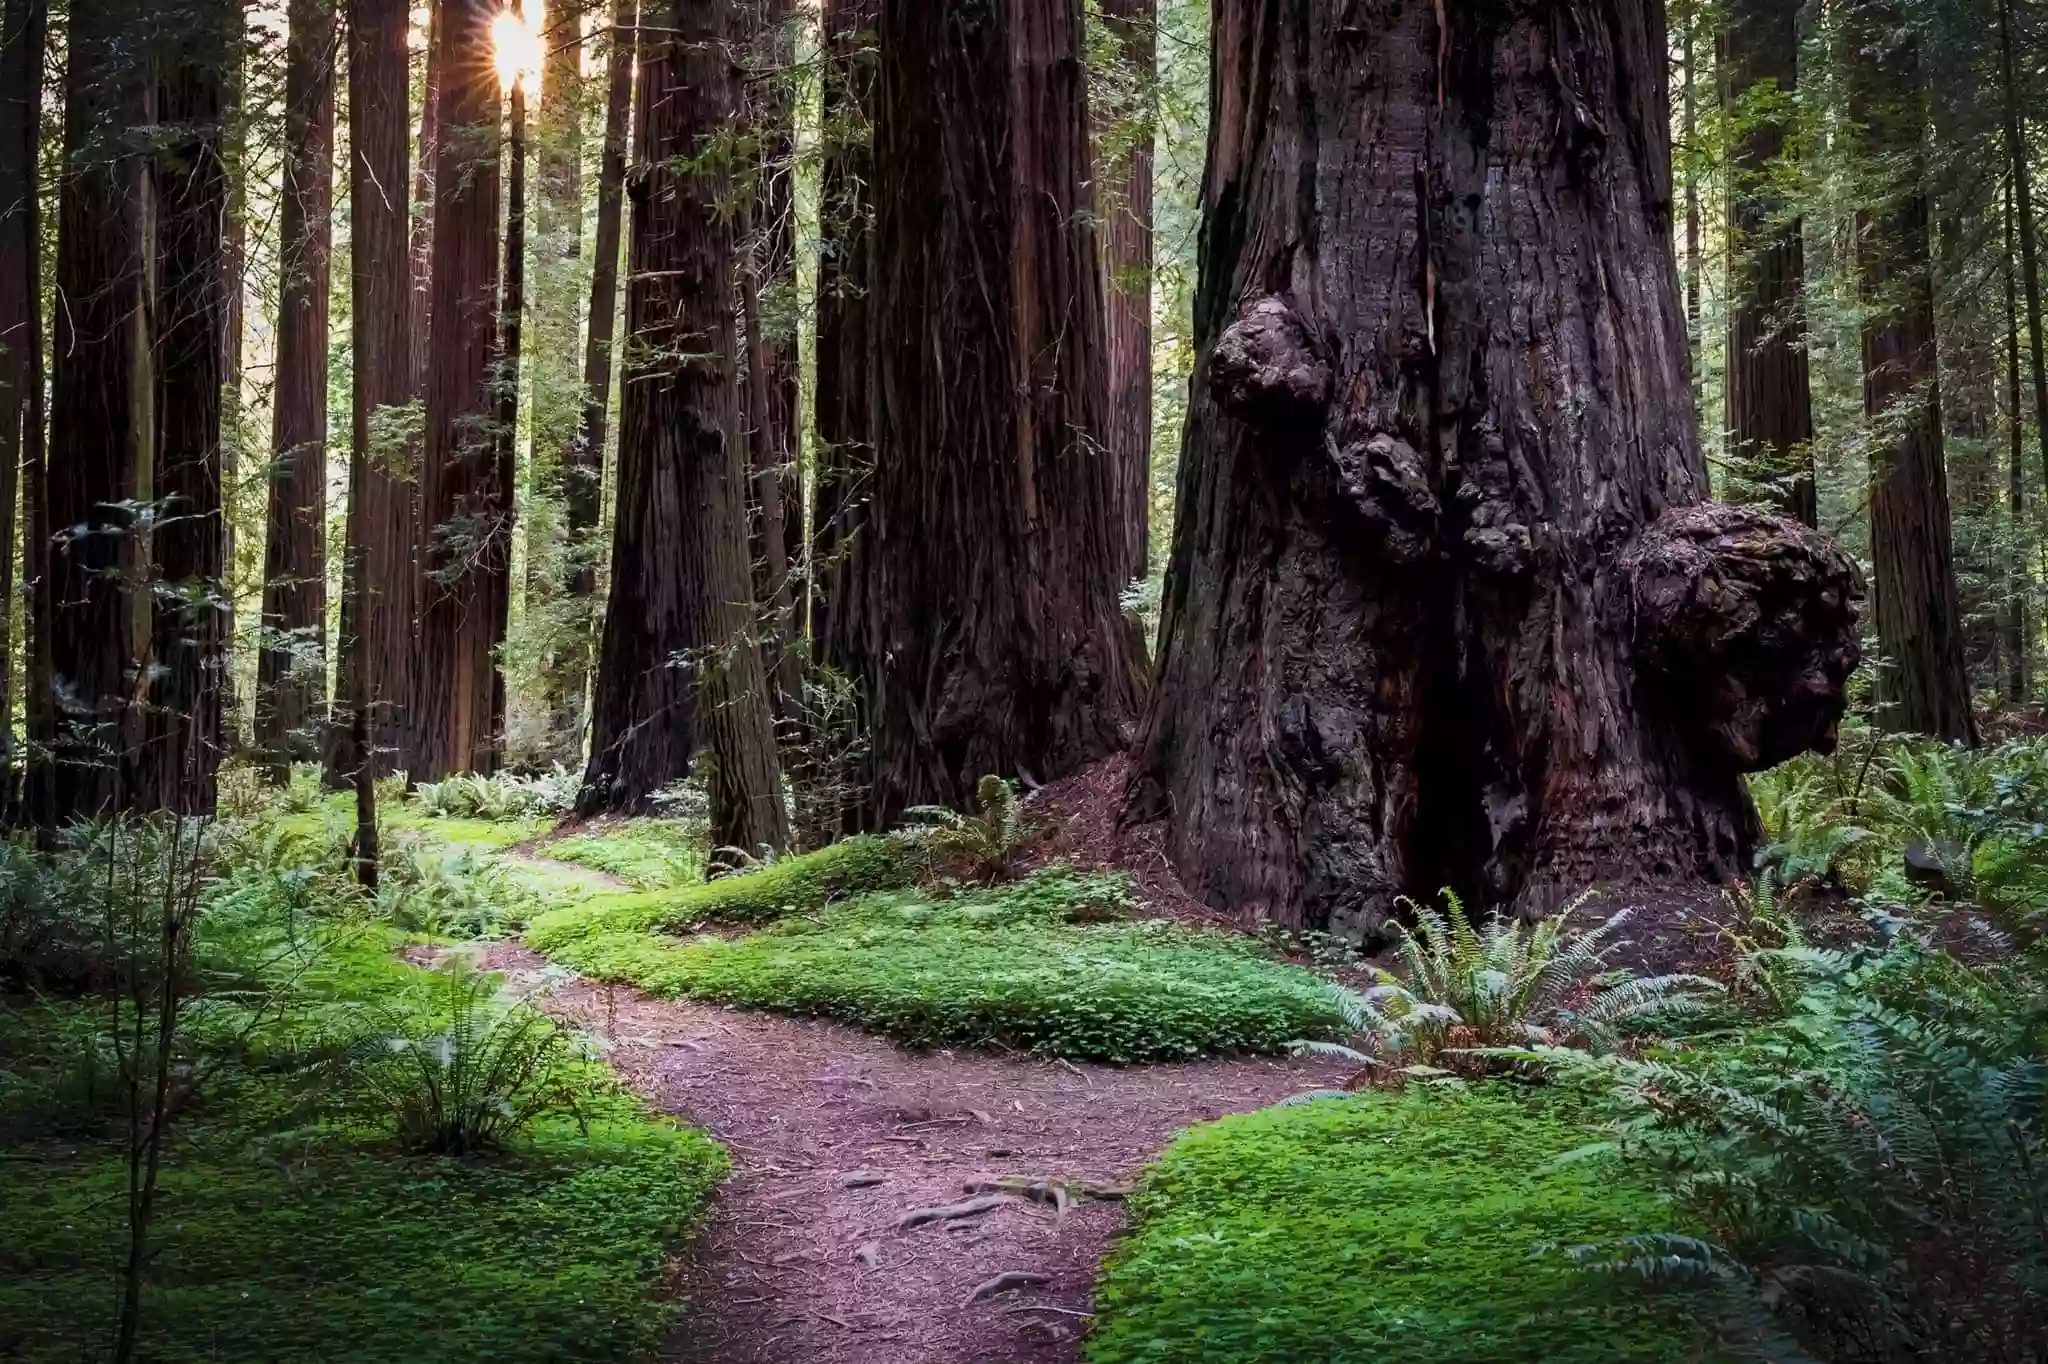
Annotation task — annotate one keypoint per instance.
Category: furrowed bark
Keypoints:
(990, 545)
(23, 30)
(1127, 260)
(466, 508)
(1770, 408)
(1441, 615)
(291, 668)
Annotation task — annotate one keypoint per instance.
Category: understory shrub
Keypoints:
(1418, 1226)
(1049, 964)
(501, 797)
(1868, 1145)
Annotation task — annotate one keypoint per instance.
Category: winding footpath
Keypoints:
(896, 1207)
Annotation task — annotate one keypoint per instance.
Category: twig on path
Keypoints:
(1006, 1282)
(1045, 1307)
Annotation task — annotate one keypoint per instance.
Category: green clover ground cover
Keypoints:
(1412, 1227)
(1053, 964)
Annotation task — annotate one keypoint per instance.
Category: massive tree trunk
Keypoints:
(768, 309)
(1770, 406)
(23, 28)
(383, 510)
(1127, 259)
(843, 393)
(189, 194)
(991, 548)
(679, 651)
(291, 668)
(1923, 685)
(1448, 604)
(466, 509)
(99, 419)
(583, 480)
(2020, 167)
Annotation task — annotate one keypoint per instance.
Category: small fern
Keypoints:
(981, 847)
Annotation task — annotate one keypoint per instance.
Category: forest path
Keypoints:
(836, 1134)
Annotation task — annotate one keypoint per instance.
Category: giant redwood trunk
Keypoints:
(381, 578)
(291, 669)
(1923, 684)
(189, 192)
(1448, 604)
(99, 420)
(679, 664)
(466, 507)
(1770, 406)
(990, 552)
(23, 28)
(1127, 258)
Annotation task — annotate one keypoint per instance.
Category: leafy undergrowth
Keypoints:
(793, 885)
(1409, 1227)
(647, 854)
(295, 1218)
(1053, 964)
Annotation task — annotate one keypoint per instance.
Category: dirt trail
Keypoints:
(835, 1135)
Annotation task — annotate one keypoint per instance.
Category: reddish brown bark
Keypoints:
(425, 167)
(991, 547)
(381, 586)
(844, 388)
(1770, 407)
(679, 654)
(189, 194)
(1923, 684)
(1127, 258)
(466, 505)
(23, 28)
(99, 418)
(291, 668)
(505, 391)
(1440, 614)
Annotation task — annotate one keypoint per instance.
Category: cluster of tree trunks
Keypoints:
(1454, 609)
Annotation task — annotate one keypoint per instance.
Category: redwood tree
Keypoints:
(23, 26)
(1923, 684)
(291, 668)
(1448, 605)
(99, 404)
(990, 554)
(381, 586)
(189, 200)
(679, 660)
(1770, 405)
(466, 505)
(1127, 257)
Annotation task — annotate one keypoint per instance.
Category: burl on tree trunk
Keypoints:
(1449, 604)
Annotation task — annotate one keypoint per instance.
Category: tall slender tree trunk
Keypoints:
(23, 30)
(2018, 652)
(2023, 189)
(1127, 258)
(1770, 405)
(466, 508)
(1439, 616)
(505, 425)
(1923, 685)
(678, 643)
(844, 387)
(380, 585)
(583, 479)
(767, 293)
(190, 195)
(991, 545)
(291, 669)
(99, 418)
(425, 168)
(1689, 102)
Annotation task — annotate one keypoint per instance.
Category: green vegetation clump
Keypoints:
(791, 885)
(647, 854)
(1411, 1227)
(1051, 964)
(298, 1215)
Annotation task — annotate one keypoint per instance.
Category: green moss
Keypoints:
(1015, 966)
(1410, 1228)
(794, 885)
